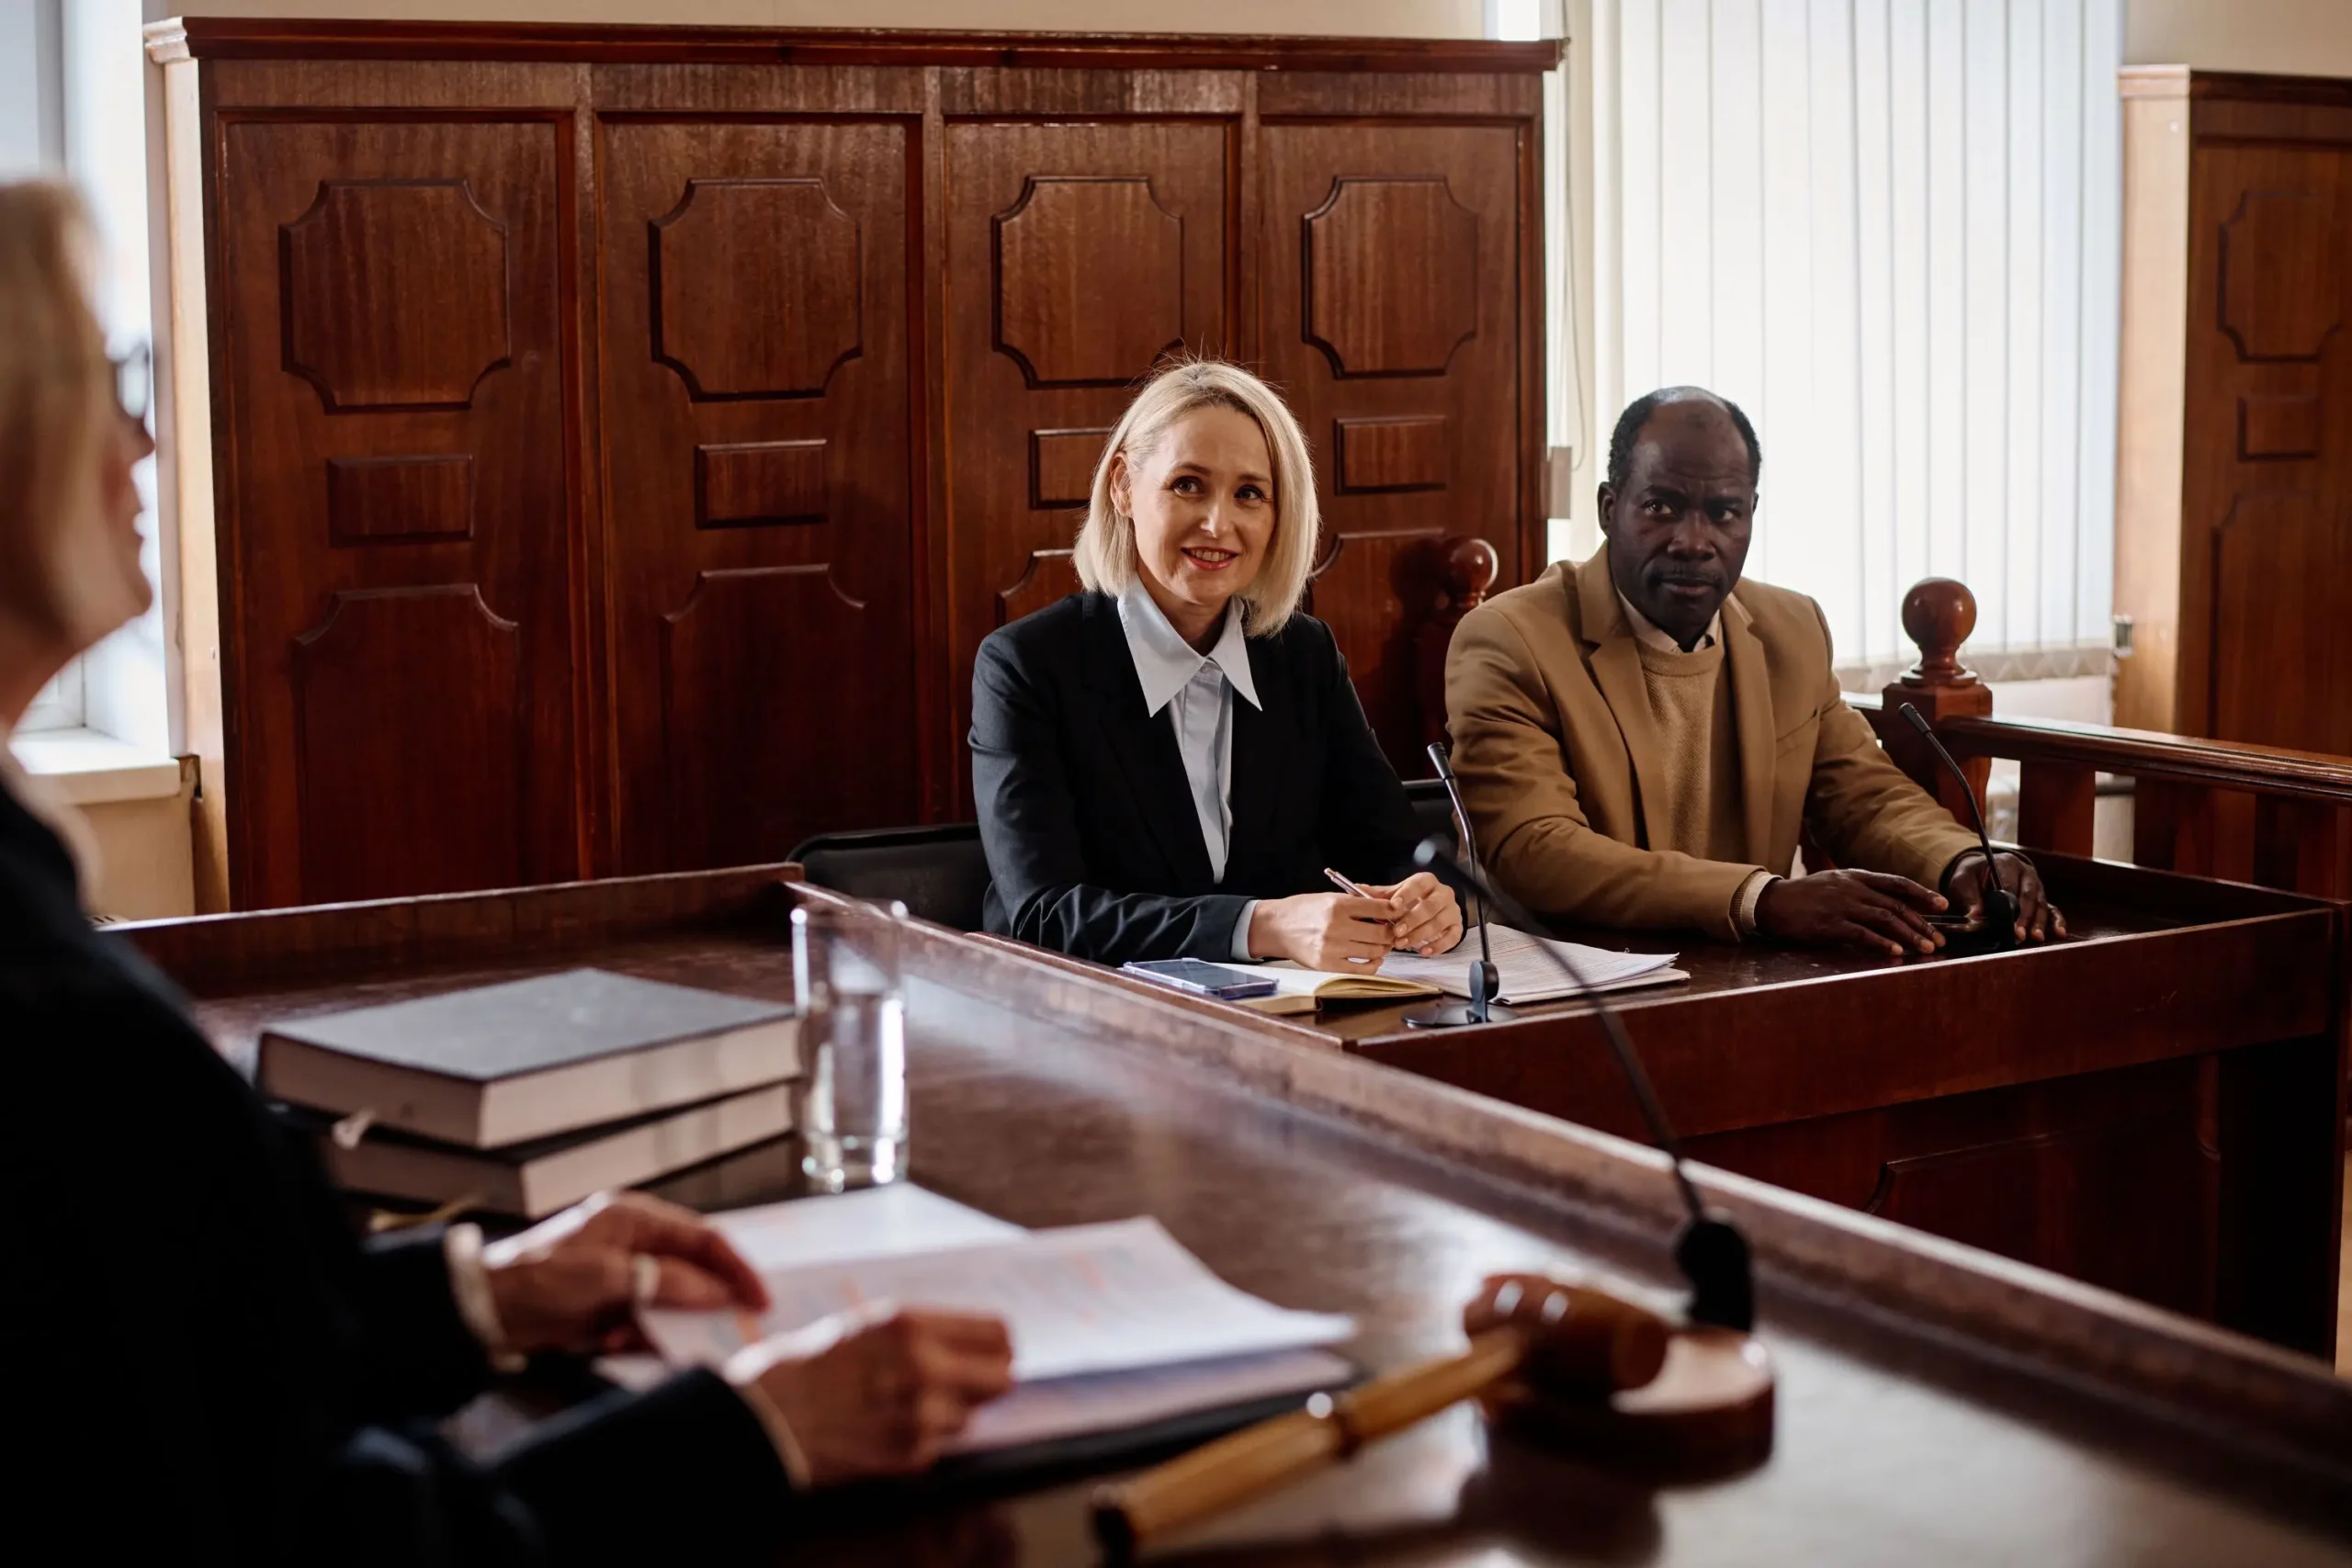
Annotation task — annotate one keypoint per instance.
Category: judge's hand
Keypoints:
(2038, 918)
(1322, 930)
(1852, 909)
(572, 1282)
(1423, 916)
(877, 1392)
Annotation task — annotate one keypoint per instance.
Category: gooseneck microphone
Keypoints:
(1486, 982)
(1711, 1253)
(2001, 905)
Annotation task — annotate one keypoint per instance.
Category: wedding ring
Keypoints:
(645, 1277)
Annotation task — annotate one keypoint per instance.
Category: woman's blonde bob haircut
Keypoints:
(55, 390)
(1107, 540)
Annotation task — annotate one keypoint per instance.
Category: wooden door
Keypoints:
(757, 523)
(1078, 253)
(1393, 265)
(397, 589)
(2267, 508)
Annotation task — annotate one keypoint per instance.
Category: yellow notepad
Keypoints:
(1289, 980)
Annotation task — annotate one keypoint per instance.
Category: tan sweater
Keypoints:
(1701, 811)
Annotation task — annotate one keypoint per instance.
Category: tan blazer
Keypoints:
(1557, 752)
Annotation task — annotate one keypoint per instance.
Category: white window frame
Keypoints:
(108, 715)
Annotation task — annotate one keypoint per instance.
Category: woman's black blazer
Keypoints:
(1093, 842)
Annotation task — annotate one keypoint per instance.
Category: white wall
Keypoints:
(2304, 38)
(1377, 18)
(32, 124)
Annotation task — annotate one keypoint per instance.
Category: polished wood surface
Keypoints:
(2152, 1106)
(624, 436)
(397, 585)
(1937, 1404)
(2238, 191)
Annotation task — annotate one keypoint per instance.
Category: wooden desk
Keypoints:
(2153, 1106)
(1937, 1405)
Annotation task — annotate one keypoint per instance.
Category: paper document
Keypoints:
(1524, 974)
(1114, 1327)
(1087, 1299)
(879, 1222)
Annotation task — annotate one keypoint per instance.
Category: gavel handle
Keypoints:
(1217, 1476)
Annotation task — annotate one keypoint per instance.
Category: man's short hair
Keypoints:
(1637, 414)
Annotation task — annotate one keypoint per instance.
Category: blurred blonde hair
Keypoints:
(1105, 554)
(56, 390)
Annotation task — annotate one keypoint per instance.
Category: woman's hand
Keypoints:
(878, 1393)
(573, 1283)
(1336, 931)
(1423, 915)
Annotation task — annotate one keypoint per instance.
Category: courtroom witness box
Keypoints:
(2152, 1106)
(1938, 1405)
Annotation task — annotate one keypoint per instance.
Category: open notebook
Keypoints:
(1118, 1332)
(1525, 977)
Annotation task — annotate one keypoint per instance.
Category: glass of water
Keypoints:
(854, 1045)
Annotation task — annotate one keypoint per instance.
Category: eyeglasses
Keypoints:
(134, 381)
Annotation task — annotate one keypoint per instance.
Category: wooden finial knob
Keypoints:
(1471, 568)
(1939, 613)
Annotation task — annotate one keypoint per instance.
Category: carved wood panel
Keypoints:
(355, 325)
(758, 518)
(2024, 1171)
(398, 595)
(2266, 578)
(782, 240)
(456, 668)
(2280, 568)
(1390, 315)
(1098, 246)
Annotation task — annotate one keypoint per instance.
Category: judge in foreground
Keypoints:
(1641, 737)
(1166, 763)
(207, 1366)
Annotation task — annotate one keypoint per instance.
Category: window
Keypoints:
(83, 114)
(1889, 229)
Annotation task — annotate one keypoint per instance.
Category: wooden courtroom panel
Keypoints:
(1936, 1405)
(653, 515)
(1079, 253)
(398, 594)
(2152, 1106)
(2267, 561)
(759, 524)
(2237, 413)
(1391, 316)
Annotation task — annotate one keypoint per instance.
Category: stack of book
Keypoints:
(524, 1098)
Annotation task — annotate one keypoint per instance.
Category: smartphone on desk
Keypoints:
(1201, 979)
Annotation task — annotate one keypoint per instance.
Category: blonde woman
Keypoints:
(216, 1370)
(1166, 763)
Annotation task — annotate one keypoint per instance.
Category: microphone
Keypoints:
(2001, 906)
(1486, 982)
(1711, 1253)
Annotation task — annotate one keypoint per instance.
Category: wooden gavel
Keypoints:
(1568, 1340)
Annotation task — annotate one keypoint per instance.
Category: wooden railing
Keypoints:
(2259, 814)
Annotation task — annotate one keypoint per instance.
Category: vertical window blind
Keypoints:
(1890, 229)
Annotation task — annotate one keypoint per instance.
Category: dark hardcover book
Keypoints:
(539, 1178)
(500, 1065)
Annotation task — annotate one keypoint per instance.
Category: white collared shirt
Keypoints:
(1197, 691)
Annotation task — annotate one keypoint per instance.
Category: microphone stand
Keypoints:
(1999, 932)
(1711, 1253)
(1485, 981)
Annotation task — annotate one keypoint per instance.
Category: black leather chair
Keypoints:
(940, 874)
(1434, 811)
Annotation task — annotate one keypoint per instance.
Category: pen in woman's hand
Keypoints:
(1343, 884)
